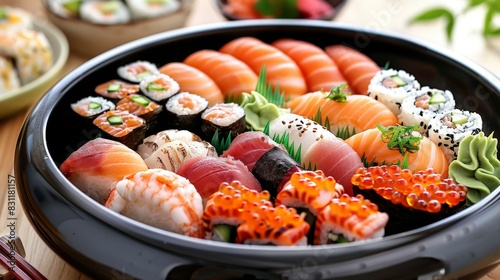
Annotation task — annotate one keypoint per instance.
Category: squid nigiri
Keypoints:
(159, 198)
(356, 67)
(96, 167)
(282, 71)
(399, 145)
(192, 80)
(319, 70)
(230, 74)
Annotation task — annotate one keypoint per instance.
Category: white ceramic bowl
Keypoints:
(92, 39)
(13, 101)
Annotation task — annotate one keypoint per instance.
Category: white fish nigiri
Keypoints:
(159, 198)
(151, 143)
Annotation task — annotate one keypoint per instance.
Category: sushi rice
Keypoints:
(92, 106)
(141, 9)
(420, 107)
(104, 12)
(448, 129)
(391, 87)
(136, 71)
(159, 87)
(14, 19)
(65, 8)
(8, 76)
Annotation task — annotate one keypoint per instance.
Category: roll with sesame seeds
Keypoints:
(447, 129)
(420, 107)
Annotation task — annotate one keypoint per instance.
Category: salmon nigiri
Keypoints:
(99, 164)
(318, 68)
(356, 67)
(347, 116)
(230, 74)
(282, 71)
(397, 145)
(192, 80)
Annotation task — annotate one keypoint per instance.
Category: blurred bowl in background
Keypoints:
(18, 99)
(335, 6)
(89, 37)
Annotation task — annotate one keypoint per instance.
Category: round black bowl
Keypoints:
(104, 244)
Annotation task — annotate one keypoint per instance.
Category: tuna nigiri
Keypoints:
(318, 68)
(159, 198)
(282, 71)
(397, 145)
(207, 173)
(192, 80)
(96, 167)
(231, 75)
(351, 115)
(356, 67)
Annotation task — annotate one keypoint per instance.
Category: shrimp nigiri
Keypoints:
(318, 68)
(356, 67)
(381, 146)
(230, 74)
(159, 198)
(192, 80)
(282, 71)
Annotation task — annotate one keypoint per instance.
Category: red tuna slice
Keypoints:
(207, 173)
(249, 147)
(335, 158)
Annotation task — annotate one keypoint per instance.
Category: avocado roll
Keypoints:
(122, 126)
(449, 128)
(420, 107)
(116, 89)
(143, 107)
(225, 118)
(183, 111)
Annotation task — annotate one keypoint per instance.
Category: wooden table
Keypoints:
(391, 15)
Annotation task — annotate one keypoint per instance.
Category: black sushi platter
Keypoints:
(105, 244)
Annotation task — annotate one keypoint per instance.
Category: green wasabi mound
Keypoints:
(477, 166)
(259, 111)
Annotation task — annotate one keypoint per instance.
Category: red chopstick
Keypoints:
(20, 268)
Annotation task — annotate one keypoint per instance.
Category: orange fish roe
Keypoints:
(423, 190)
(309, 189)
(272, 225)
(355, 217)
(227, 205)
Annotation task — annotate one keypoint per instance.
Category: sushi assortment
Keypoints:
(25, 53)
(291, 145)
(109, 12)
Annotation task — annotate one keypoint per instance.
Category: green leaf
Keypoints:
(438, 13)
(488, 19)
(278, 8)
(474, 3)
(493, 5)
(275, 97)
(449, 27)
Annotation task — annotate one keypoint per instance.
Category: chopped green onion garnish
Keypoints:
(154, 86)
(140, 99)
(401, 138)
(94, 105)
(114, 87)
(337, 93)
(115, 120)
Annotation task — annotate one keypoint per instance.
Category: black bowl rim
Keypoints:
(41, 112)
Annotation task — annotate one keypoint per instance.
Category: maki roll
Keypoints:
(449, 128)
(9, 80)
(136, 71)
(141, 9)
(347, 219)
(122, 126)
(223, 212)
(309, 192)
(159, 87)
(420, 107)
(412, 199)
(184, 110)
(391, 87)
(223, 118)
(116, 89)
(104, 12)
(142, 107)
(65, 8)
(91, 107)
(159, 198)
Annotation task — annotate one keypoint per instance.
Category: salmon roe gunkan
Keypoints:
(423, 190)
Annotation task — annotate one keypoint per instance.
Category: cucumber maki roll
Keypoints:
(65, 8)
(391, 87)
(449, 128)
(420, 107)
(184, 110)
(225, 118)
(159, 87)
(137, 71)
(141, 106)
(91, 107)
(116, 89)
(122, 126)
(142, 9)
(104, 12)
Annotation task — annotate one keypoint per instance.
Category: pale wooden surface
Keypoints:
(391, 15)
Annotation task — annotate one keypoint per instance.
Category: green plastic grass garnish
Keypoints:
(275, 97)
(284, 139)
(220, 144)
(338, 94)
(278, 8)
